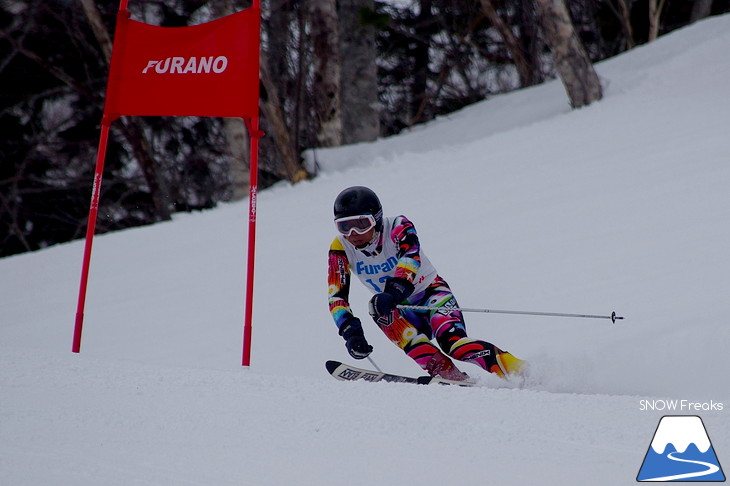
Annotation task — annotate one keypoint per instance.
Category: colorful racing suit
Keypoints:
(395, 252)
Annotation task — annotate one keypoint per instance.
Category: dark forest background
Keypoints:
(332, 73)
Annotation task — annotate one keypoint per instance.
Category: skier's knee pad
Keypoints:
(448, 337)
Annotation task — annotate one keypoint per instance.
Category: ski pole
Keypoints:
(613, 315)
(373, 363)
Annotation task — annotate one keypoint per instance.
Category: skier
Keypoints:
(386, 256)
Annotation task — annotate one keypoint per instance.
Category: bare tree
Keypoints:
(655, 12)
(420, 50)
(571, 60)
(359, 85)
(234, 129)
(132, 126)
(273, 111)
(510, 41)
(281, 84)
(327, 75)
(97, 25)
(625, 18)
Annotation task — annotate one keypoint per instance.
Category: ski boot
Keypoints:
(507, 366)
(440, 365)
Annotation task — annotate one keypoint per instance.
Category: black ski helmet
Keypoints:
(358, 200)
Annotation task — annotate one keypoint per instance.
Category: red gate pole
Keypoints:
(254, 134)
(90, 229)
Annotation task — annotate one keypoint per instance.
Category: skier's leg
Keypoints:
(486, 355)
(449, 330)
(418, 346)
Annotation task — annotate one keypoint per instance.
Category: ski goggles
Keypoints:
(360, 224)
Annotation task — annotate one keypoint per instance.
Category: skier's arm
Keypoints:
(338, 279)
(409, 257)
(349, 326)
(400, 286)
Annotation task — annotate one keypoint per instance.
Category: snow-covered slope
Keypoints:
(519, 202)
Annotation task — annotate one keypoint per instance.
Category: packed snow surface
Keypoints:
(520, 202)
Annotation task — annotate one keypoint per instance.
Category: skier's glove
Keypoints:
(355, 341)
(383, 303)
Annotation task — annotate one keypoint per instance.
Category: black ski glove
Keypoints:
(383, 303)
(355, 341)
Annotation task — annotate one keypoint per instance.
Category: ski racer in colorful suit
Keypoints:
(386, 256)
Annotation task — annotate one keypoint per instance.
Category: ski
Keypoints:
(346, 372)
